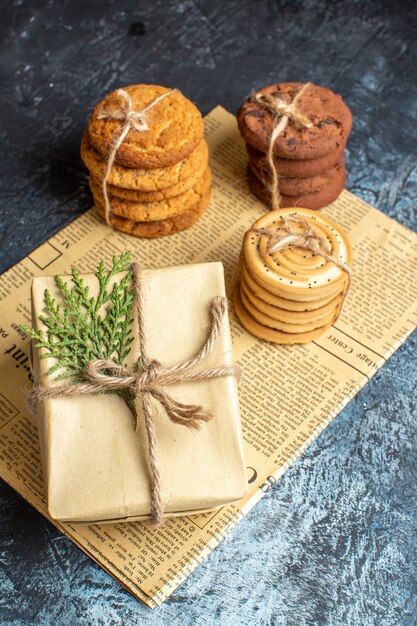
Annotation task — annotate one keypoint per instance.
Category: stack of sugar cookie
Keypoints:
(308, 159)
(159, 181)
(293, 276)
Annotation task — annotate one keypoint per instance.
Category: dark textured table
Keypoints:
(334, 542)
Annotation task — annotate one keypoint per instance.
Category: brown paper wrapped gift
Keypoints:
(96, 464)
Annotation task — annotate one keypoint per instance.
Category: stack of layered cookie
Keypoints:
(309, 160)
(159, 182)
(293, 293)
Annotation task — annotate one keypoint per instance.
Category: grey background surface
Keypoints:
(335, 541)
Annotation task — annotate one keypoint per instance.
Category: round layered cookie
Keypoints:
(301, 168)
(162, 194)
(301, 186)
(158, 228)
(314, 200)
(286, 304)
(297, 273)
(174, 127)
(276, 323)
(154, 211)
(271, 334)
(331, 121)
(317, 316)
(141, 179)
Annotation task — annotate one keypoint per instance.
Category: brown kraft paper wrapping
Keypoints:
(96, 464)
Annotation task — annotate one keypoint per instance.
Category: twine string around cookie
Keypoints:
(287, 238)
(283, 112)
(131, 120)
(107, 376)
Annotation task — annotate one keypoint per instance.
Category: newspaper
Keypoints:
(288, 394)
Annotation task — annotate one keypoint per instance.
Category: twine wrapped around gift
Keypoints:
(286, 238)
(131, 120)
(283, 113)
(146, 383)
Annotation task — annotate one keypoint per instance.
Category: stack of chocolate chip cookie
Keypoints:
(293, 276)
(307, 155)
(148, 160)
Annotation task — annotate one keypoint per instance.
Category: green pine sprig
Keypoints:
(84, 327)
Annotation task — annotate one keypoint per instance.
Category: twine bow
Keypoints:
(107, 376)
(283, 113)
(131, 120)
(286, 238)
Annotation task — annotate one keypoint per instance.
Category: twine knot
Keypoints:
(283, 112)
(149, 375)
(279, 107)
(135, 120)
(131, 120)
(287, 237)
